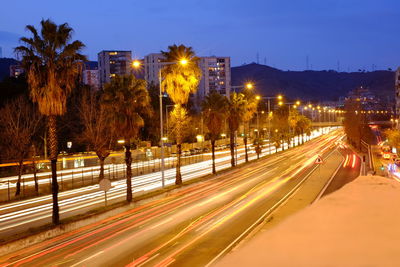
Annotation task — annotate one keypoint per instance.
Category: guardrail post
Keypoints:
(8, 189)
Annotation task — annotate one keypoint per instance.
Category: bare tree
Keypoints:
(19, 121)
(97, 132)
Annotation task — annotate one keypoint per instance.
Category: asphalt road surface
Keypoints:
(17, 217)
(349, 171)
(189, 227)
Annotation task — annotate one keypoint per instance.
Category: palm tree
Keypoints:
(303, 126)
(126, 101)
(180, 80)
(236, 109)
(214, 110)
(251, 104)
(52, 63)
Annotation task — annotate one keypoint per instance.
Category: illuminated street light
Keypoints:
(280, 97)
(249, 86)
(298, 103)
(136, 64)
(121, 141)
(184, 61)
(258, 97)
(280, 103)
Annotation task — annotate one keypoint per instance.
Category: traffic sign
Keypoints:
(319, 160)
(105, 185)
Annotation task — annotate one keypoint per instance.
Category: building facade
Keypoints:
(216, 76)
(91, 77)
(16, 70)
(397, 91)
(152, 67)
(112, 63)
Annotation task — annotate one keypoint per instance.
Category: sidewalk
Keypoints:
(357, 225)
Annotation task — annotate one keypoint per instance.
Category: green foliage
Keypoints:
(236, 110)
(126, 101)
(393, 136)
(179, 80)
(214, 109)
(52, 64)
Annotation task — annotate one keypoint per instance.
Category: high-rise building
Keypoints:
(112, 63)
(397, 91)
(216, 76)
(152, 67)
(91, 77)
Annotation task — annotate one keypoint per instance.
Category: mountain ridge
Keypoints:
(310, 85)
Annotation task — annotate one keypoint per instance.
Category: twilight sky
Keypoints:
(354, 33)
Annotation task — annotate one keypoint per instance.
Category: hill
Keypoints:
(5, 67)
(313, 85)
(6, 62)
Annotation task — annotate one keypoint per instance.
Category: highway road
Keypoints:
(191, 226)
(349, 170)
(17, 216)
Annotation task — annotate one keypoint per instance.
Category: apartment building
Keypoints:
(112, 63)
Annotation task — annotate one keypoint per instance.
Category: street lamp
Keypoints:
(136, 64)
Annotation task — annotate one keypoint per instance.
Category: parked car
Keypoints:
(185, 153)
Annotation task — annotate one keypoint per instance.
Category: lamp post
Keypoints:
(136, 64)
(268, 98)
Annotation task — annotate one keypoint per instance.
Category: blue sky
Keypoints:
(357, 33)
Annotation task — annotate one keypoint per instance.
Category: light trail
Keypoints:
(82, 198)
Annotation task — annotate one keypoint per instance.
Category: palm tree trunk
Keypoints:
(178, 179)
(213, 155)
(101, 175)
(18, 185)
(35, 176)
(128, 161)
(53, 144)
(232, 145)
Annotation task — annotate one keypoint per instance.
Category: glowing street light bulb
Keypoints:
(280, 97)
(136, 64)
(258, 97)
(249, 85)
(298, 103)
(280, 103)
(183, 61)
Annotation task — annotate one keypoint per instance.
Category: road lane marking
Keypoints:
(88, 258)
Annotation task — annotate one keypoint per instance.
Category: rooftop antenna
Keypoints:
(338, 66)
(258, 58)
(307, 62)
